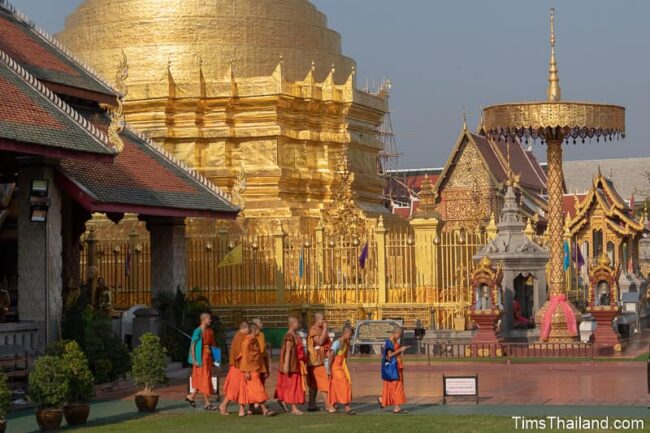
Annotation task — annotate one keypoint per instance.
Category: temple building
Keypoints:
(254, 94)
(602, 223)
(62, 158)
(470, 188)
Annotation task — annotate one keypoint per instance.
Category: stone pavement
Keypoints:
(614, 388)
(605, 383)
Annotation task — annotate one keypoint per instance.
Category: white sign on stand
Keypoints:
(459, 386)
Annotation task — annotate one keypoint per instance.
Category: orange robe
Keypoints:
(317, 374)
(265, 356)
(393, 392)
(252, 362)
(340, 390)
(202, 376)
(234, 388)
(291, 384)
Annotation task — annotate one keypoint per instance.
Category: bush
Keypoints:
(179, 314)
(80, 379)
(48, 382)
(5, 396)
(108, 357)
(149, 363)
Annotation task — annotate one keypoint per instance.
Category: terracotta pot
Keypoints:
(49, 419)
(76, 413)
(3, 425)
(146, 402)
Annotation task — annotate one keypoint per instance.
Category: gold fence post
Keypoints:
(380, 232)
(278, 255)
(320, 255)
(425, 231)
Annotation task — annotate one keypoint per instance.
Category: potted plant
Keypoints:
(80, 384)
(48, 387)
(5, 402)
(148, 370)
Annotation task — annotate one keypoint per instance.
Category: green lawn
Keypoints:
(210, 423)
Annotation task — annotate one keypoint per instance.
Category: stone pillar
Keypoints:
(425, 230)
(278, 254)
(40, 261)
(380, 232)
(168, 255)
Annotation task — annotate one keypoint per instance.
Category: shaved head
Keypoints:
(243, 326)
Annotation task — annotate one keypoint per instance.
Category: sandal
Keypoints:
(350, 412)
(210, 408)
(269, 413)
(190, 402)
(397, 412)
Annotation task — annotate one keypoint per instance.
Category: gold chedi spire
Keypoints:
(553, 93)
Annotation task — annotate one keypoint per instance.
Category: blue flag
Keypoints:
(567, 256)
(364, 256)
(301, 263)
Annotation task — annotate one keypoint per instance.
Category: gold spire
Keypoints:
(553, 93)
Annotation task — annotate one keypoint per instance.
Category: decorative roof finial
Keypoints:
(464, 120)
(553, 93)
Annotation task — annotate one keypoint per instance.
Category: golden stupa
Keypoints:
(255, 94)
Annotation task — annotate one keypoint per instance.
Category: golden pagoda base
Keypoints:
(559, 328)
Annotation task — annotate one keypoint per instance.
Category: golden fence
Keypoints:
(391, 273)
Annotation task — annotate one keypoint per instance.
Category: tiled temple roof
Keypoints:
(34, 120)
(143, 174)
(47, 60)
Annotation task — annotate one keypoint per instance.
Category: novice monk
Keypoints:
(265, 358)
(234, 388)
(318, 346)
(393, 392)
(252, 365)
(340, 391)
(201, 359)
(290, 388)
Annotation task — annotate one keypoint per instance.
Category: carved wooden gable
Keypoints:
(467, 192)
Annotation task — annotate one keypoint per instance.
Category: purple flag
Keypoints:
(364, 256)
(577, 256)
(127, 263)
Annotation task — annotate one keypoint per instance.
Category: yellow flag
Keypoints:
(234, 257)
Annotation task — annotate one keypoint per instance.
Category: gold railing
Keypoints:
(389, 273)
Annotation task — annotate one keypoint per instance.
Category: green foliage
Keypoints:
(149, 363)
(5, 396)
(80, 378)
(108, 357)
(180, 312)
(48, 382)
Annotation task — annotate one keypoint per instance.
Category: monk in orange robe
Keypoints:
(340, 391)
(252, 365)
(393, 392)
(254, 408)
(290, 389)
(234, 388)
(318, 347)
(201, 359)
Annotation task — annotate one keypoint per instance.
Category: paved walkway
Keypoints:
(614, 388)
(615, 383)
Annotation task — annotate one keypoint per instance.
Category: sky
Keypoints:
(453, 56)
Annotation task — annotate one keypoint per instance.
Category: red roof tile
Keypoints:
(17, 107)
(26, 50)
